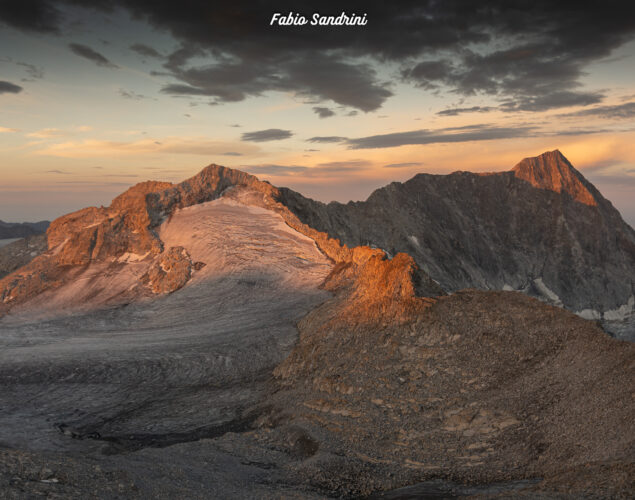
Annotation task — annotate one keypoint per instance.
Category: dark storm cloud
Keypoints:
(457, 134)
(619, 111)
(270, 134)
(319, 76)
(327, 139)
(323, 112)
(9, 88)
(145, 50)
(31, 15)
(459, 111)
(91, 55)
(441, 46)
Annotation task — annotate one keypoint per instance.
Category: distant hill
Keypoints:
(22, 229)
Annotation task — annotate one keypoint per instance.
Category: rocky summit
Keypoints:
(225, 338)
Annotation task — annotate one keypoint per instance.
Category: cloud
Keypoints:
(528, 57)
(231, 153)
(145, 50)
(279, 170)
(46, 133)
(32, 15)
(90, 54)
(9, 88)
(4, 130)
(318, 76)
(345, 164)
(448, 135)
(91, 148)
(34, 72)
(270, 134)
(325, 170)
(323, 112)
(327, 139)
(458, 111)
(404, 165)
(618, 111)
(61, 172)
(559, 99)
(131, 94)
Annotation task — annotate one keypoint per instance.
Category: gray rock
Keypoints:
(540, 228)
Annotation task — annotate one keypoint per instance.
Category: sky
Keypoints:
(98, 95)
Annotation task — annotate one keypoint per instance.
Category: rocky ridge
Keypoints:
(540, 228)
(125, 233)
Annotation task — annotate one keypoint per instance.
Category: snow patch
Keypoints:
(547, 292)
(132, 257)
(413, 239)
(622, 312)
(591, 314)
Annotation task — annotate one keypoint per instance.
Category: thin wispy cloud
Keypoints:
(327, 139)
(619, 111)
(270, 134)
(448, 135)
(91, 55)
(91, 148)
(460, 111)
(404, 165)
(145, 51)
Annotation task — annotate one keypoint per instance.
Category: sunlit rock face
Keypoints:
(540, 228)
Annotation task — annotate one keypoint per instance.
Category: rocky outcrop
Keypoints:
(170, 271)
(479, 387)
(541, 228)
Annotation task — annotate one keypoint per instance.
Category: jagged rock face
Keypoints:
(540, 228)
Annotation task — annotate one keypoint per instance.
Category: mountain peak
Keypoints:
(552, 171)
